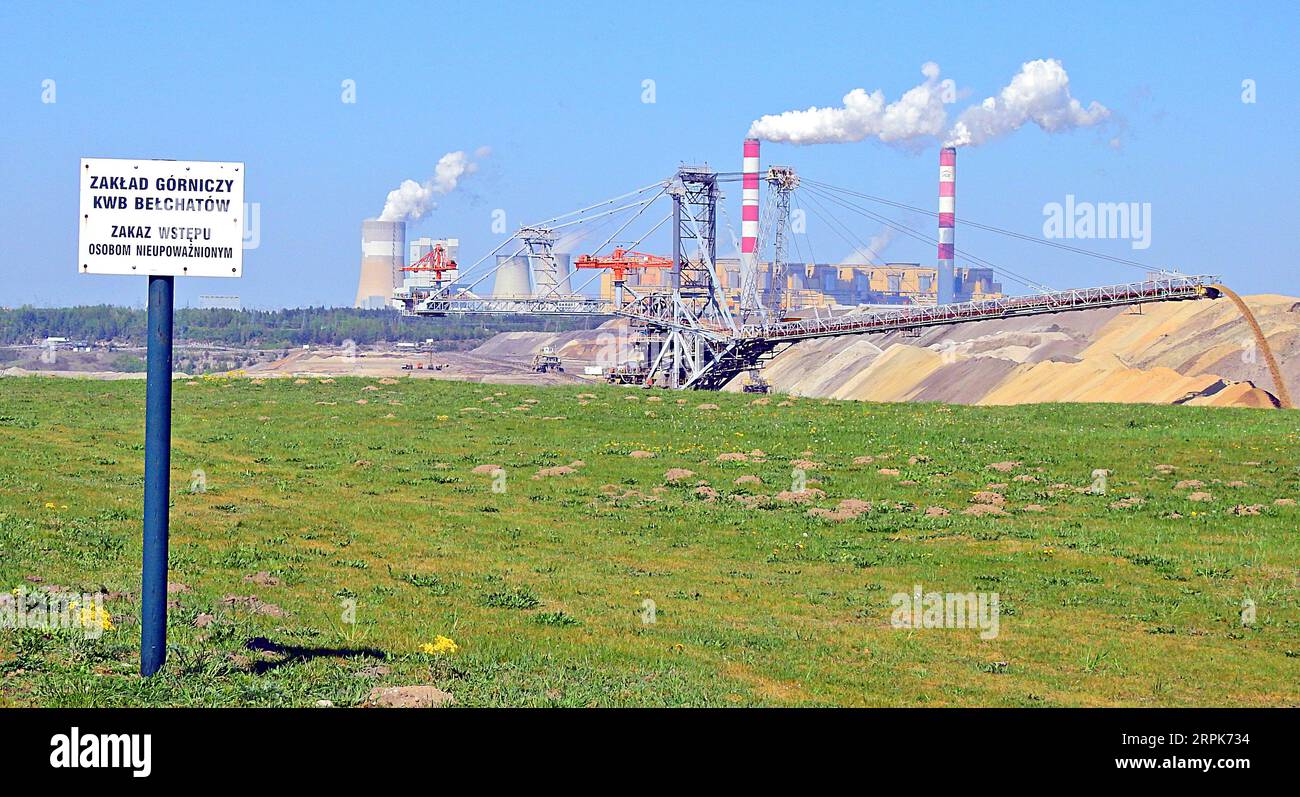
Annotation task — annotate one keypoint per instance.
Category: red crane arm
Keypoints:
(434, 260)
(622, 260)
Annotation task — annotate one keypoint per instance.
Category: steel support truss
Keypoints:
(693, 333)
(689, 335)
(781, 181)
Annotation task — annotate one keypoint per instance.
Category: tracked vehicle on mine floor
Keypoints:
(547, 360)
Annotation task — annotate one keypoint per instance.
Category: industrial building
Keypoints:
(419, 247)
(832, 284)
(745, 282)
(699, 321)
(432, 264)
(384, 259)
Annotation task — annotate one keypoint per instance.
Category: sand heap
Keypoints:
(1198, 352)
(1195, 352)
(608, 344)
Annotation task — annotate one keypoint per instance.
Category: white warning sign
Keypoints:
(160, 217)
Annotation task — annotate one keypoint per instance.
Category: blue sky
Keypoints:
(556, 90)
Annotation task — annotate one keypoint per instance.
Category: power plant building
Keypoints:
(743, 280)
(836, 284)
(426, 278)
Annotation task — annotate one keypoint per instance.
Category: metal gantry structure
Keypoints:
(685, 331)
(781, 181)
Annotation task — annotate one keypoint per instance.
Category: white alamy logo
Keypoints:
(48, 610)
(1130, 221)
(920, 609)
(74, 750)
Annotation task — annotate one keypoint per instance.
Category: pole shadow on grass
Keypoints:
(293, 654)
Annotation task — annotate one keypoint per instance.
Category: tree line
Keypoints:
(264, 328)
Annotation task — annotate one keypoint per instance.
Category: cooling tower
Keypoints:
(947, 217)
(564, 272)
(511, 277)
(383, 244)
(561, 280)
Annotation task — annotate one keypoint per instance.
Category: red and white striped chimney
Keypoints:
(749, 299)
(947, 215)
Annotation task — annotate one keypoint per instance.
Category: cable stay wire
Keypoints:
(989, 227)
(602, 214)
(644, 206)
(470, 270)
(912, 233)
(845, 232)
(812, 254)
(794, 239)
(632, 247)
(661, 184)
(766, 224)
(731, 230)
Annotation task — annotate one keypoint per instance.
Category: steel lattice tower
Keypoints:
(781, 181)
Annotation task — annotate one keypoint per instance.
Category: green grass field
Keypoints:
(541, 582)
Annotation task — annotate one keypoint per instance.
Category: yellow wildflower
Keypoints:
(441, 645)
(92, 616)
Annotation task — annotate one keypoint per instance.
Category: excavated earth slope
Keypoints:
(1199, 352)
(1196, 352)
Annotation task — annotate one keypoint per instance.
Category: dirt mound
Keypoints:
(408, 697)
(605, 344)
(1196, 353)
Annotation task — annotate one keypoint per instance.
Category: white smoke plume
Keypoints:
(411, 201)
(568, 242)
(874, 252)
(1039, 93)
(917, 114)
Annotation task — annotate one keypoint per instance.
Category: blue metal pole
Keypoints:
(157, 477)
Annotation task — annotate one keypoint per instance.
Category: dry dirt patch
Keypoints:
(408, 697)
